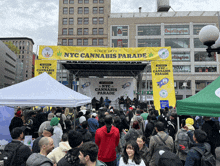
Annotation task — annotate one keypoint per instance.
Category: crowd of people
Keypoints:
(111, 137)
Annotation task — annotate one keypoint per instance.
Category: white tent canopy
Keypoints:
(42, 90)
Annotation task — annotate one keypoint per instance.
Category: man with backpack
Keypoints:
(15, 152)
(137, 117)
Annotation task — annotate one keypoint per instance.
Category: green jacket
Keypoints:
(100, 163)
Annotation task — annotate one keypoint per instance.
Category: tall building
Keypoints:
(25, 45)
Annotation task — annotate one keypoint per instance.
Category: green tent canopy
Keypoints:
(205, 103)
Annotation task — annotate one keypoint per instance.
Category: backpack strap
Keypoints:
(14, 154)
(163, 141)
(198, 150)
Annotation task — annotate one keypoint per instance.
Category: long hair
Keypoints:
(137, 157)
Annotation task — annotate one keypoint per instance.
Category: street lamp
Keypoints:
(209, 36)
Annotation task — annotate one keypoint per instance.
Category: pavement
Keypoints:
(217, 152)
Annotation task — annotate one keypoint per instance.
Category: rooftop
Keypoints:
(17, 38)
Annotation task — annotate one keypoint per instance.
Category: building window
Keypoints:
(79, 42)
(101, 20)
(79, 31)
(119, 30)
(65, 10)
(86, 10)
(94, 31)
(95, 10)
(70, 31)
(120, 43)
(177, 43)
(85, 42)
(205, 68)
(79, 21)
(64, 42)
(94, 20)
(86, 21)
(149, 42)
(101, 42)
(80, 1)
(197, 28)
(203, 56)
(198, 44)
(94, 42)
(64, 21)
(80, 10)
(201, 84)
(85, 31)
(71, 21)
(22, 56)
(95, 1)
(101, 1)
(176, 29)
(70, 42)
(101, 31)
(86, 1)
(149, 30)
(181, 57)
(71, 1)
(71, 10)
(64, 31)
(101, 10)
(188, 85)
(65, 1)
(182, 68)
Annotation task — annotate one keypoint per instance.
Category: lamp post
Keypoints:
(209, 36)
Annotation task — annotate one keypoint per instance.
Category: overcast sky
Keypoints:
(38, 19)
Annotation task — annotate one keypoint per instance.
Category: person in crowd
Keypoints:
(145, 114)
(88, 155)
(77, 119)
(94, 102)
(93, 125)
(81, 120)
(87, 136)
(16, 152)
(121, 102)
(47, 124)
(101, 102)
(16, 120)
(149, 128)
(36, 159)
(60, 151)
(88, 114)
(143, 150)
(129, 114)
(117, 123)
(57, 133)
(156, 141)
(193, 157)
(127, 103)
(107, 102)
(137, 117)
(172, 125)
(48, 132)
(130, 155)
(107, 137)
(124, 122)
(75, 140)
(60, 115)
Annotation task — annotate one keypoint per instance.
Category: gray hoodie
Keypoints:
(37, 159)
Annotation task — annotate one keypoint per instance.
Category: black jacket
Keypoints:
(15, 122)
(36, 148)
(87, 136)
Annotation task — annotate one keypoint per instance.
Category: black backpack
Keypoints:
(9, 154)
(59, 116)
(207, 159)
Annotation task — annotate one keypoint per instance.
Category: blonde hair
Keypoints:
(66, 112)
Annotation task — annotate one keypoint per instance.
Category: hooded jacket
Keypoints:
(59, 152)
(140, 121)
(107, 142)
(87, 136)
(37, 159)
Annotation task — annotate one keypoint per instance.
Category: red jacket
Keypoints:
(107, 142)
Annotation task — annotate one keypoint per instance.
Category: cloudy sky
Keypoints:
(38, 19)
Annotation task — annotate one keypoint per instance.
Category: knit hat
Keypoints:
(189, 121)
(18, 114)
(131, 108)
(82, 119)
(54, 121)
(50, 116)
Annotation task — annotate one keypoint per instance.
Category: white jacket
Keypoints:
(58, 153)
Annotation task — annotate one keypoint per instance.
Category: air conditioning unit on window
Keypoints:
(59, 43)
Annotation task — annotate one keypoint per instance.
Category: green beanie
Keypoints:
(54, 121)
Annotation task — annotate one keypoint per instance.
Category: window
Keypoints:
(64, 31)
(79, 21)
(71, 10)
(206, 68)
(182, 68)
(201, 84)
(79, 42)
(64, 41)
(80, 1)
(80, 10)
(65, 10)
(101, 1)
(70, 31)
(177, 43)
(64, 21)
(65, 1)
(86, 10)
(198, 44)
(176, 29)
(94, 20)
(101, 20)
(86, 21)
(203, 56)
(120, 43)
(85, 31)
(149, 42)
(149, 85)
(101, 10)
(86, 1)
(71, 21)
(85, 42)
(101, 42)
(94, 31)
(197, 28)
(119, 30)
(188, 85)
(70, 42)
(94, 42)
(79, 31)
(149, 30)
(71, 1)
(181, 57)
(101, 31)
(95, 10)
(95, 1)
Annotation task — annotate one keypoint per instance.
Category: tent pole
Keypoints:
(75, 119)
(178, 123)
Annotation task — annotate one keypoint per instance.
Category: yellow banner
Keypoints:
(104, 54)
(163, 84)
(49, 66)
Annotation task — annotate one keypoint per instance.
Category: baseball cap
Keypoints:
(49, 129)
(18, 114)
(50, 116)
(82, 119)
(94, 114)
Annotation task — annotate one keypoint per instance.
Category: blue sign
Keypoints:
(164, 103)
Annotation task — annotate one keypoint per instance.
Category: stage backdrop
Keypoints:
(112, 88)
